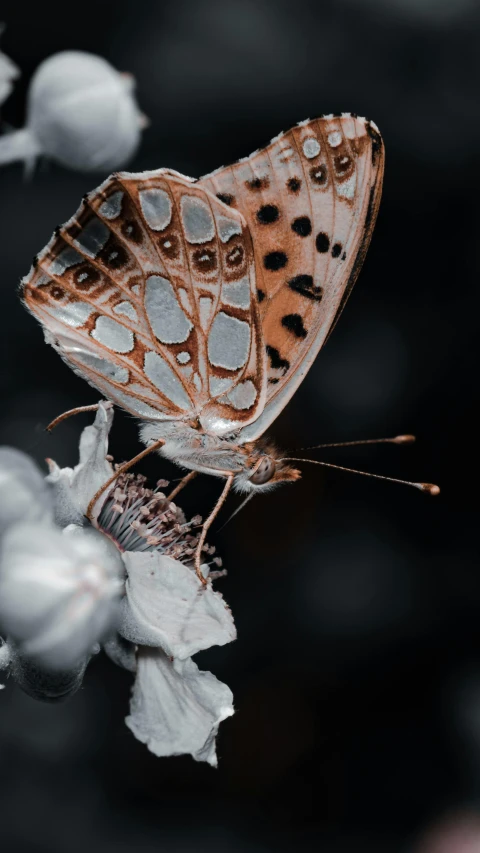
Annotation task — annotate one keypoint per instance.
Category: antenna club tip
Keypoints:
(431, 488)
(403, 439)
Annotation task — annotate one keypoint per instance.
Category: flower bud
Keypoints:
(59, 593)
(24, 496)
(81, 113)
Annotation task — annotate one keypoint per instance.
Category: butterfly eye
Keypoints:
(263, 472)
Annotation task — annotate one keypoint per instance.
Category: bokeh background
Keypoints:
(356, 673)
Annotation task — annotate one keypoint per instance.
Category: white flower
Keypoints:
(176, 708)
(8, 73)
(23, 493)
(59, 590)
(81, 112)
(73, 488)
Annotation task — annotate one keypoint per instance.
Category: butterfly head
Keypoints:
(264, 470)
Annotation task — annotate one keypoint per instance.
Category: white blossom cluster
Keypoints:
(81, 113)
(68, 587)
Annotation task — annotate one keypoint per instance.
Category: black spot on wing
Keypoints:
(205, 260)
(131, 231)
(319, 175)
(275, 261)
(302, 226)
(336, 250)
(267, 214)
(277, 362)
(113, 255)
(294, 324)
(304, 285)
(257, 183)
(322, 242)
(294, 184)
(226, 198)
(260, 295)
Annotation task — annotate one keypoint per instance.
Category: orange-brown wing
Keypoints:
(310, 199)
(149, 293)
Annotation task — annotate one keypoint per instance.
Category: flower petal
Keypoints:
(23, 493)
(74, 488)
(176, 708)
(58, 593)
(166, 605)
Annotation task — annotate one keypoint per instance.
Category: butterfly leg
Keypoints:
(183, 482)
(207, 524)
(77, 411)
(121, 470)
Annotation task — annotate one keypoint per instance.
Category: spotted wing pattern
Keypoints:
(149, 293)
(310, 200)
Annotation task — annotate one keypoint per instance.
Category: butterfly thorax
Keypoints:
(256, 465)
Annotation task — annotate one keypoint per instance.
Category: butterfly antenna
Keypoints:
(244, 503)
(399, 439)
(431, 488)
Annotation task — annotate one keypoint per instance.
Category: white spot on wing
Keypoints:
(227, 228)
(141, 409)
(112, 206)
(243, 395)
(135, 387)
(163, 377)
(73, 314)
(127, 310)
(112, 335)
(183, 357)
(237, 293)
(335, 139)
(197, 219)
(228, 342)
(156, 208)
(311, 147)
(168, 321)
(67, 258)
(219, 385)
(347, 189)
(93, 237)
(111, 371)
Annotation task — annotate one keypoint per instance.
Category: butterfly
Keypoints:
(199, 305)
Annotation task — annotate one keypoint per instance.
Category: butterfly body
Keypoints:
(199, 306)
(255, 465)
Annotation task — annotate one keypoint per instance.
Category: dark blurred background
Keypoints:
(356, 673)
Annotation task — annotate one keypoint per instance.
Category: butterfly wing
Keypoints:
(149, 293)
(310, 200)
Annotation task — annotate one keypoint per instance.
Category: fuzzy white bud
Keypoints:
(81, 112)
